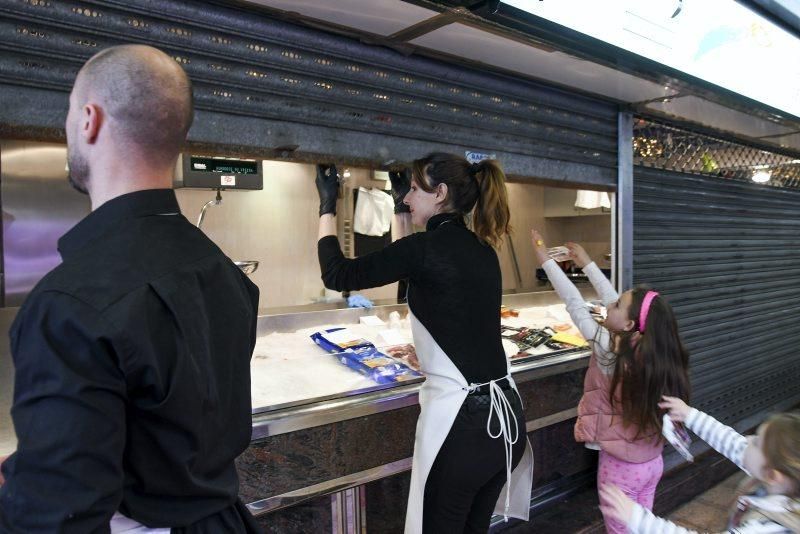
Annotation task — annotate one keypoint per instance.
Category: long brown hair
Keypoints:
(478, 189)
(649, 364)
(780, 442)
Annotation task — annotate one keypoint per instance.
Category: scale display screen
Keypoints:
(223, 165)
(210, 172)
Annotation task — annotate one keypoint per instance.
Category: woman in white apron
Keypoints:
(471, 454)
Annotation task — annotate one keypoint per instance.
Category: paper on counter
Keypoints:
(371, 320)
(389, 337)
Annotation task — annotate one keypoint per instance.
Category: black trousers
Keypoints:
(470, 471)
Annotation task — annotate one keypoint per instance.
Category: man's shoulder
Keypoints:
(102, 276)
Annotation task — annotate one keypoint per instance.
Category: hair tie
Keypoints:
(648, 300)
(474, 169)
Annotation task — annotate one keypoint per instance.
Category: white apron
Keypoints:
(440, 399)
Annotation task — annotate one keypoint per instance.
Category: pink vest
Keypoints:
(599, 422)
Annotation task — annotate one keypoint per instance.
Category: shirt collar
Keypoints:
(440, 218)
(114, 212)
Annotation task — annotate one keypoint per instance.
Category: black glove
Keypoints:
(401, 185)
(328, 188)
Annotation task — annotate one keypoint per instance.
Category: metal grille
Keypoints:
(666, 147)
(726, 254)
(246, 65)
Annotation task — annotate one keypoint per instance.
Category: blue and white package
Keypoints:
(378, 366)
(362, 356)
(338, 339)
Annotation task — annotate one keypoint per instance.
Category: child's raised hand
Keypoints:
(539, 246)
(615, 504)
(578, 255)
(677, 409)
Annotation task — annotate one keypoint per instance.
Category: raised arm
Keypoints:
(596, 277)
(395, 262)
(574, 301)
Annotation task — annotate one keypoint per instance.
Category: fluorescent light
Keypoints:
(761, 177)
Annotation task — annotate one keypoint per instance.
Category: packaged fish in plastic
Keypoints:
(376, 365)
(339, 339)
(362, 356)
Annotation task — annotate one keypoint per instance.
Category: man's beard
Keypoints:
(78, 171)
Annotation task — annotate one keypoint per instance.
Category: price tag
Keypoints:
(227, 180)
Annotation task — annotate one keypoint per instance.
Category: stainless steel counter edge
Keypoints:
(294, 497)
(332, 411)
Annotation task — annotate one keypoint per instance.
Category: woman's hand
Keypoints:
(328, 188)
(677, 409)
(401, 185)
(617, 505)
(539, 247)
(578, 255)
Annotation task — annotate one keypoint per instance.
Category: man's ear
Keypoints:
(91, 122)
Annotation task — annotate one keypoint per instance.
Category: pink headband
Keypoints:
(648, 299)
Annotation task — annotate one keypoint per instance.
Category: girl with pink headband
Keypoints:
(637, 357)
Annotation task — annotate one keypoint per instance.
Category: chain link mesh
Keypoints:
(667, 147)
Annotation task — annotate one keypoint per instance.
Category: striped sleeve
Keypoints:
(723, 438)
(644, 522)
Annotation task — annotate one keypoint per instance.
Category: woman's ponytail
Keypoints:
(473, 188)
(491, 216)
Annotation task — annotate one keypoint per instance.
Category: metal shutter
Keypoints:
(262, 83)
(727, 256)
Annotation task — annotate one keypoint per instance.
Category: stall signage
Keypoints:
(475, 157)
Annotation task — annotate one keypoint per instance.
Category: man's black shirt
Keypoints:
(132, 378)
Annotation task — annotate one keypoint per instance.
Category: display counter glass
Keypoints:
(290, 369)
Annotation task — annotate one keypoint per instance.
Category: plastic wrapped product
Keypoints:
(339, 339)
(376, 365)
(559, 253)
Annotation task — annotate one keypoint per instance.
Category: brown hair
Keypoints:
(478, 189)
(780, 442)
(649, 365)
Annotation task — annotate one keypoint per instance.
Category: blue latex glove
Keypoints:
(358, 301)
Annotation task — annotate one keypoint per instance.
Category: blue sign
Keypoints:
(475, 157)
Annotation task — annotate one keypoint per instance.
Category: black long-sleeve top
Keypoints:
(455, 288)
(132, 378)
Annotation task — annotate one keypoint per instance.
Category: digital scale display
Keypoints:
(223, 165)
(214, 172)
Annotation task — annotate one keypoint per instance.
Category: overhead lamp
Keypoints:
(761, 177)
(346, 173)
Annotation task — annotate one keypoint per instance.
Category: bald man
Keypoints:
(132, 357)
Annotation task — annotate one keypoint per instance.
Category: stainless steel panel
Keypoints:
(624, 197)
(39, 206)
(8, 440)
